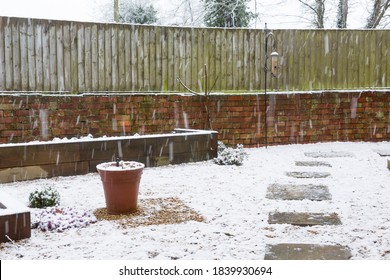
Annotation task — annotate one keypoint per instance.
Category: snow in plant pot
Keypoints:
(121, 181)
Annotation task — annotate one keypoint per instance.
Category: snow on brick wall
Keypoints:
(239, 118)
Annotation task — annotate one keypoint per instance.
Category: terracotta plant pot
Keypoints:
(121, 184)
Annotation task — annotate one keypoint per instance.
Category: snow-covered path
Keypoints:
(232, 200)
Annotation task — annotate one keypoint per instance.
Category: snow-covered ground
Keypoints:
(232, 201)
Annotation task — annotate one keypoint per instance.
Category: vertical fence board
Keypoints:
(73, 57)
(127, 63)
(121, 59)
(134, 58)
(94, 58)
(101, 58)
(164, 59)
(81, 57)
(16, 55)
(60, 59)
(2, 52)
(46, 57)
(53, 58)
(23, 55)
(87, 58)
(114, 57)
(107, 58)
(152, 58)
(140, 59)
(38, 55)
(159, 36)
(66, 41)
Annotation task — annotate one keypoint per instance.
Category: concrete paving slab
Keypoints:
(308, 175)
(287, 251)
(331, 154)
(312, 163)
(383, 153)
(298, 192)
(304, 219)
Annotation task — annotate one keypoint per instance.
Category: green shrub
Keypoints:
(45, 197)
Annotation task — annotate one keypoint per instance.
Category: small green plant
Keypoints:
(230, 156)
(45, 197)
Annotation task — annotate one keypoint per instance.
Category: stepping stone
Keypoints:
(384, 153)
(304, 219)
(298, 192)
(307, 175)
(312, 163)
(331, 154)
(286, 251)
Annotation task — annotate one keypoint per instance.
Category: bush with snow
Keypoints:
(230, 156)
(60, 219)
(46, 197)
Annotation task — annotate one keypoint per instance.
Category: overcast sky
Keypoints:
(282, 14)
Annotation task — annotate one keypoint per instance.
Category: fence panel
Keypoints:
(61, 56)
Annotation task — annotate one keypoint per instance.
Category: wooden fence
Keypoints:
(61, 56)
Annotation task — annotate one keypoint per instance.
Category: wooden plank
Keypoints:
(218, 60)
(193, 57)
(38, 55)
(23, 55)
(164, 59)
(251, 59)
(170, 77)
(244, 61)
(121, 58)
(31, 56)
(182, 54)
(241, 59)
(159, 39)
(115, 57)
(128, 52)
(146, 60)
(152, 58)
(16, 55)
(2, 52)
(333, 60)
(134, 57)
(88, 57)
(60, 58)
(200, 59)
(101, 58)
(211, 66)
(140, 59)
(187, 69)
(379, 55)
(66, 49)
(30, 155)
(46, 56)
(81, 57)
(94, 58)
(259, 41)
(53, 58)
(223, 70)
(107, 58)
(74, 58)
(387, 59)
(235, 60)
(229, 58)
(176, 45)
(353, 67)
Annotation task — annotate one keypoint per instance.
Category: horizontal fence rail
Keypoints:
(63, 56)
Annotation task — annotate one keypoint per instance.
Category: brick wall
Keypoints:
(239, 118)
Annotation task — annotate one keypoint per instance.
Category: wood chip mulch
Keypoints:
(153, 211)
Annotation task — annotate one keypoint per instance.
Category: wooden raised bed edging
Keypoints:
(26, 161)
(15, 219)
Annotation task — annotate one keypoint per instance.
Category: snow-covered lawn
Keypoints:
(232, 201)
